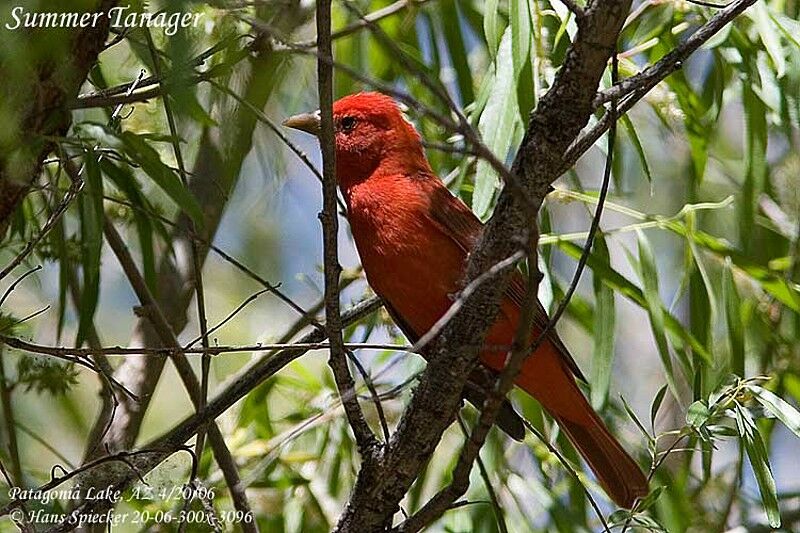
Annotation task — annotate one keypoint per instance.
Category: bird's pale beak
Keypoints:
(307, 122)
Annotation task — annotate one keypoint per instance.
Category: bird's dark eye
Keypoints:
(348, 123)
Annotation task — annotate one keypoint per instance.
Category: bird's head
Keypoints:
(371, 134)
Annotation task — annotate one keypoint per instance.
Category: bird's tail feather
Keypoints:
(546, 378)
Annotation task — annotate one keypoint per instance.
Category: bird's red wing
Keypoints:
(457, 221)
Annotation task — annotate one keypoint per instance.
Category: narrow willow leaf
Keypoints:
(496, 125)
(656, 405)
(627, 288)
(635, 418)
(789, 27)
(124, 179)
(91, 208)
(492, 29)
(759, 460)
(604, 325)
(776, 405)
(766, 31)
(454, 38)
(755, 158)
(733, 319)
(59, 244)
(650, 499)
(655, 308)
(162, 175)
(637, 144)
(521, 40)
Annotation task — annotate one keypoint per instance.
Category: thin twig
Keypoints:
(376, 398)
(365, 438)
(17, 281)
(224, 321)
(65, 202)
(498, 511)
(463, 296)
(69, 354)
(375, 16)
(568, 467)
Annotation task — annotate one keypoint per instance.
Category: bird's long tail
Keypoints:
(546, 377)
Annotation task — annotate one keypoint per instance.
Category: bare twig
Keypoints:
(487, 481)
(568, 467)
(376, 398)
(54, 217)
(375, 16)
(69, 354)
(17, 281)
(364, 436)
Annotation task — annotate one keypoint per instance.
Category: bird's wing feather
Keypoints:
(457, 221)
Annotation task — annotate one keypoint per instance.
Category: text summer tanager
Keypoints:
(414, 238)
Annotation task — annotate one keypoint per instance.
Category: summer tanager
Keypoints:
(414, 238)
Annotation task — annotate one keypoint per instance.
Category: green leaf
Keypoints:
(766, 30)
(637, 144)
(759, 460)
(733, 318)
(635, 418)
(521, 38)
(698, 414)
(492, 28)
(457, 50)
(792, 33)
(124, 179)
(604, 325)
(656, 405)
(776, 405)
(496, 125)
(755, 158)
(655, 308)
(162, 175)
(625, 287)
(92, 215)
(650, 499)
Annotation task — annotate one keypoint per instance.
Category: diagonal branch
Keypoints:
(652, 75)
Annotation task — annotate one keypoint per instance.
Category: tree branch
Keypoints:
(652, 75)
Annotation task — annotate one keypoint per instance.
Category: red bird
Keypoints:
(414, 237)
